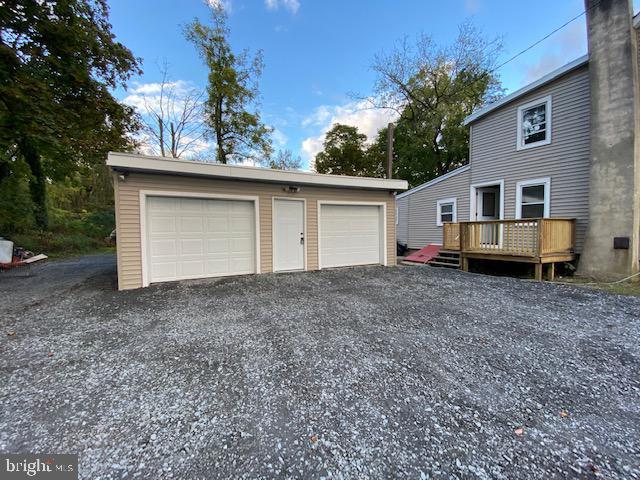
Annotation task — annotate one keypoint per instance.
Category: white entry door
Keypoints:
(488, 203)
(288, 235)
(488, 208)
(350, 235)
(199, 237)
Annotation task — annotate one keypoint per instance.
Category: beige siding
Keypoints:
(566, 160)
(127, 198)
(423, 209)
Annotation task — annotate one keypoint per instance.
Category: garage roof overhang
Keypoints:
(128, 162)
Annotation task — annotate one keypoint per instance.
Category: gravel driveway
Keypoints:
(358, 373)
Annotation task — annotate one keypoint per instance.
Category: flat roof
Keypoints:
(422, 186)
(144, 163)
(578, 62)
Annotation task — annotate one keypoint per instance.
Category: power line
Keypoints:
(538, 42)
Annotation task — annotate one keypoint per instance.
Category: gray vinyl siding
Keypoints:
(423, 208)
(402, 205)
(565, 160)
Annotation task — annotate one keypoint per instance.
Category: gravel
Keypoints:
(356, 373)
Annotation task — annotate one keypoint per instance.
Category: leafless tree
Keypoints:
(284, 160)
(174, 118)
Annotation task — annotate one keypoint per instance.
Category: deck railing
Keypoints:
(532, 237)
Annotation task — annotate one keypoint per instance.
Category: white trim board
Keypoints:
(547, 101)
(143, 194)
(383, 224)
(445, 201)
(546, 181)
(578, 62)
(439, 179)
(472, 197)
(273, 237)
(143, 163)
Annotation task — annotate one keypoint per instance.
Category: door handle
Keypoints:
(302, 239)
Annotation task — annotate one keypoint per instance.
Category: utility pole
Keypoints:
(390, 128)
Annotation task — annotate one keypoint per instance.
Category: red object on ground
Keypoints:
(423, 255)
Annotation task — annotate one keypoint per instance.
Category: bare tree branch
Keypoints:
(174, 119)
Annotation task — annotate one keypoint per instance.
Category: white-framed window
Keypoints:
(533, 198)
(447, 211)
(534, 123)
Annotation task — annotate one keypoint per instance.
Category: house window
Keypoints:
(534, 123)
(532, 198)
(447, 211)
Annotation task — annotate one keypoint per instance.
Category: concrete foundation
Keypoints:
(614, 198)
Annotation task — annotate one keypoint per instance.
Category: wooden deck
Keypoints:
(541, 241)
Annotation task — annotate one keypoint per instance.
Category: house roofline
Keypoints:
(439, 179)
(577, 63)
(165, 165)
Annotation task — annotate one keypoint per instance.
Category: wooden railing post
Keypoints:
(540, 223)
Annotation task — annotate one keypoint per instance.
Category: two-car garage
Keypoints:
(181, 220)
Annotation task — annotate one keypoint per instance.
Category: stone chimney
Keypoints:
(613, 235)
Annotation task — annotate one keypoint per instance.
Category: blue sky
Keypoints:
(317, 52)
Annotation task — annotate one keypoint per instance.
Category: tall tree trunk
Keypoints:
(174, 145)
(222, 155)
(4, 170)
(161, 134)
(38, 185)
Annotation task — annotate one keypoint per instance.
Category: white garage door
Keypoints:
(197, 238)
(350, 235)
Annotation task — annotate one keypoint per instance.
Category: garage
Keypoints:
(351, 234)
(182, 219)
(191, 237)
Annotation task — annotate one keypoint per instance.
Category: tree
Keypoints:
(58, 60)
(173, 119)
(284, 160)
(344, 153)
(231, 107)
(433, 89)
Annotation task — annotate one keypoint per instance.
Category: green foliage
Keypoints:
(58, 62)
(69, 233)
(345, 153)
(232, 91)
(433, 89)
(16, 207)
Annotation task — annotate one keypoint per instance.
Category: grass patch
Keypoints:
(631, 288)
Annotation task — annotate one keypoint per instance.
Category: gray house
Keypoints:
(554, 168)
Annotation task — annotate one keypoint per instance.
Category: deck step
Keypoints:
(444, 264)
(446, 258)
(448, 254)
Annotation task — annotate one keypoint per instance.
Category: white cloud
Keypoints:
(471, 6)
(566, 46)
(291, 5)
(279, 138)
(319, 116)
(145, 95)
(220, 4)
(358, 114)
